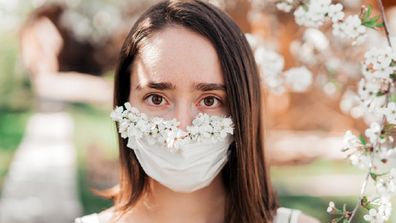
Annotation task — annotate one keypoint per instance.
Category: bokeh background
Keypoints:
(57, 141)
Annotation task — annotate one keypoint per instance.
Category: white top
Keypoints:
(283, 215)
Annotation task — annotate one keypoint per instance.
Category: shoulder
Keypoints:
(102, 217)
(307, 219)
(92, 218)
(286, 215)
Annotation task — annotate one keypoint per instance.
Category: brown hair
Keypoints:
(250, 198)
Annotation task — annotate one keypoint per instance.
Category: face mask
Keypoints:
(182, 161)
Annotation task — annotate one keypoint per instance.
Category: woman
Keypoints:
(191, 147)
(57, 59)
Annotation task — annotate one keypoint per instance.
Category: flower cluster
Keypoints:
(312, 13)
(315, 13)
(351, 28)
(298, 78)
(379, 211)
(379, 63)
(271, 65)
(379, 73)
(133, 123)
(375, 101)
(286, 5)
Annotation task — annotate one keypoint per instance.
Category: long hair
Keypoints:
(249, 194)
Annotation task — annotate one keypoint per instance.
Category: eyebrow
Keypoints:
(170, 86)
(209, 87)
(157, 86)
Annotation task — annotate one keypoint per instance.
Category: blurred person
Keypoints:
(191, 139)
(62, 66)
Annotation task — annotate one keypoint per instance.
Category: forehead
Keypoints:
(178, 55)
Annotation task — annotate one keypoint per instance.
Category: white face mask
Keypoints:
(181, 161)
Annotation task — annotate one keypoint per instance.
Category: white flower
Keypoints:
(351, 141)
(368, 90)
(252, 40)
(386, 187)
(390, 113)
(374, 132)
(299, 79)
(335, 12)
(374, 216)
(128, 107)
(313, 17)
(349, 101)
(116, 115)
(351, 28)
(360, 160)
(383, 211)
(378, 63)
(270, 64)
(314, 13)
(393, 173)
(286, 5)
(331, 207)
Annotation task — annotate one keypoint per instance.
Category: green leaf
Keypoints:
(367, 12)
(365, 202)
(392, 98)
(362, 139)
(380, 25)
(373, 176)
(370, 23)
(375, 18)
(340, 219)
(380, 94)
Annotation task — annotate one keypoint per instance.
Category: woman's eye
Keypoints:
(210, 102)
(155, 99)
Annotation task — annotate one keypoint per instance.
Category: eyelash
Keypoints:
(145, 98)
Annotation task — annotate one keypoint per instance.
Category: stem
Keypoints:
(381, 7)
(363, 189)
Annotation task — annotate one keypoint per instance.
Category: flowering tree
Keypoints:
(373, 150)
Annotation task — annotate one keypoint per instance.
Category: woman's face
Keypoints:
(177, 74)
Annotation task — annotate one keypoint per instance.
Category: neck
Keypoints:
(202, 206)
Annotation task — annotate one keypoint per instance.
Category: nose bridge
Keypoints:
(184, 114)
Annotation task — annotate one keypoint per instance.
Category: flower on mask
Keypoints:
(132, 123)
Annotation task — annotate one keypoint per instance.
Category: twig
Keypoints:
(381, 7)
(358, 202)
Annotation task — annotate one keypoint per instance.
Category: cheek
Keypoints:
(135, 101)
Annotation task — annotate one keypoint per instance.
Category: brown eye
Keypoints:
(210, 101)
(155, 99)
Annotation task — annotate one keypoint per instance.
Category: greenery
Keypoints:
(92, 127)
(12, 127)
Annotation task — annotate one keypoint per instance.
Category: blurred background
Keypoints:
(57, 141)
